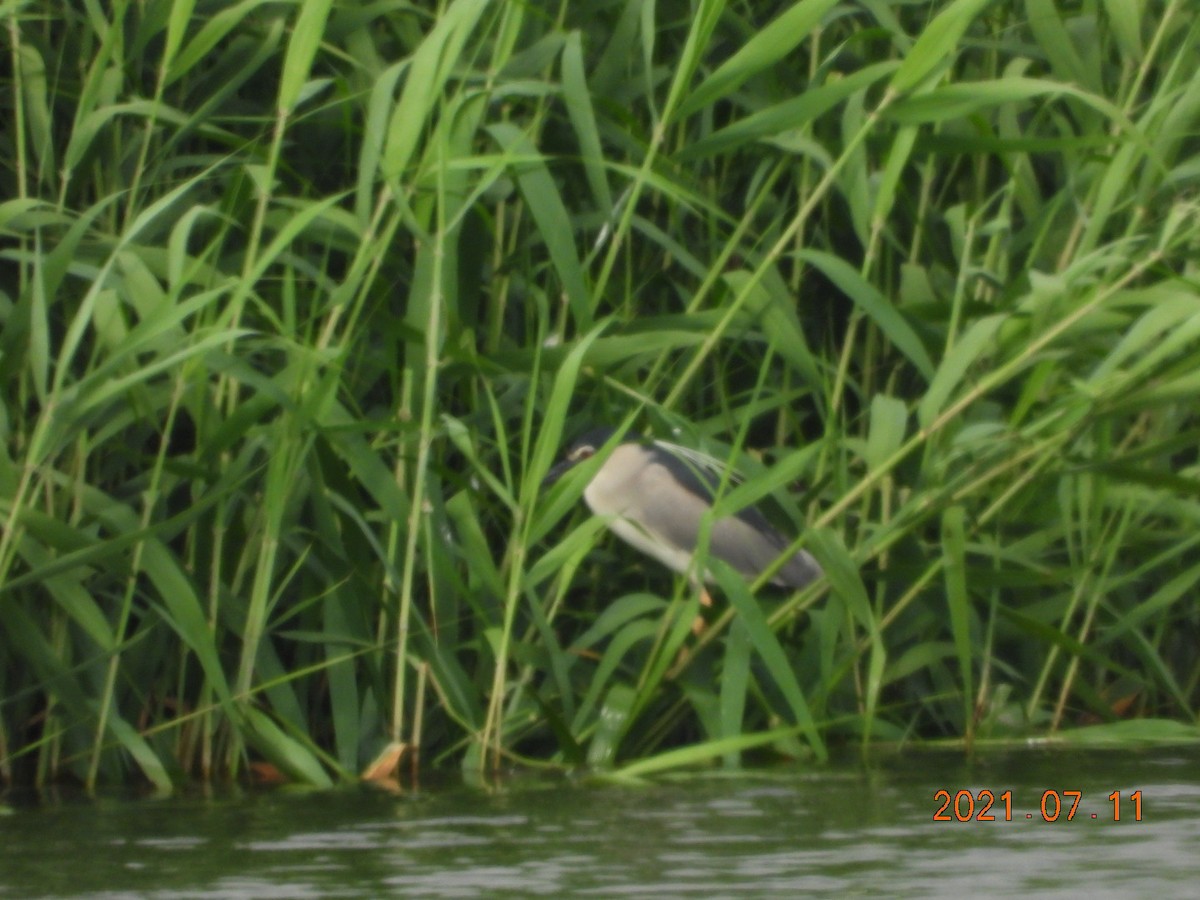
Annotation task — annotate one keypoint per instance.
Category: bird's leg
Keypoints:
(698, 623)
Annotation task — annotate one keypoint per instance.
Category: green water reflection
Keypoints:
(841, 829)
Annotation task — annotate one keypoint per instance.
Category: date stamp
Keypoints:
(987, 806)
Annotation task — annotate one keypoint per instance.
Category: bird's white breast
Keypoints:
(617, 493)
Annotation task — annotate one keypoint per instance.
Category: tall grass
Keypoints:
(301, 299)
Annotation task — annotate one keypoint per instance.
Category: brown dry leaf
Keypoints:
(384, 766)
(267, 773)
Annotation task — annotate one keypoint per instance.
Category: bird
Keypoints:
(654, 495)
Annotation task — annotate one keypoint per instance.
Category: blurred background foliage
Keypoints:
(299, 301)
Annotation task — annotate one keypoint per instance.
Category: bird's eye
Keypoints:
(583, 453)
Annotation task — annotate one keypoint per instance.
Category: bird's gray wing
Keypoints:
(745, 540)
(667, 509)
(750, 544)
(673, 496)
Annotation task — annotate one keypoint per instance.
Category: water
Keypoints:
(843, 829)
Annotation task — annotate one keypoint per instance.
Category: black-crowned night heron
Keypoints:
(654, 495)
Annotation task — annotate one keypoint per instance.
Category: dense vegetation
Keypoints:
(301, 299)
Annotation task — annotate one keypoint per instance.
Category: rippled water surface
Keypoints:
(845, 829)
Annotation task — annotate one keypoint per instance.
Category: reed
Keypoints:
(300, 301)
